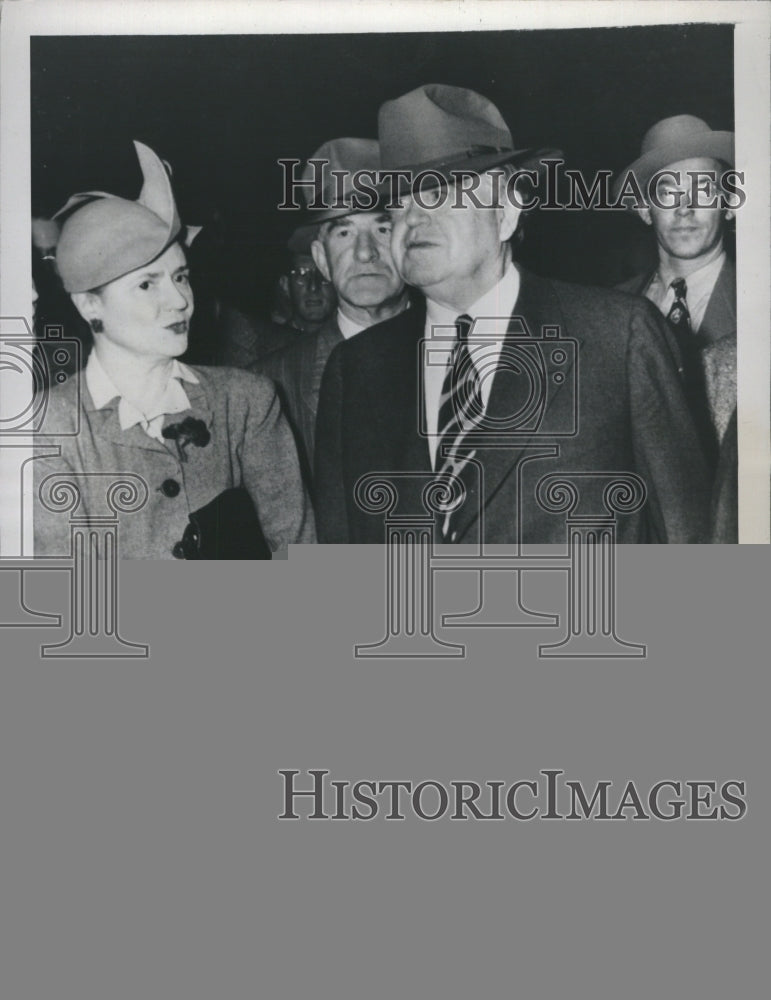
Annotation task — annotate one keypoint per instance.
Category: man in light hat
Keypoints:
(694, 284)
(387, 405)
(352, 251)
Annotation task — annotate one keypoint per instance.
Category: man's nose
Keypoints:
(315, 280)
(413, 213)
(683, 206)
(366, 248)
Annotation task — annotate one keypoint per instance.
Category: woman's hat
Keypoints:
(443, 128)
(104, 237)
(347, 156)
(681, 137)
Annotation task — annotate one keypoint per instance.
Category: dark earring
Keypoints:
(96, 326)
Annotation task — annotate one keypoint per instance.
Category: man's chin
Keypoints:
(369, 292)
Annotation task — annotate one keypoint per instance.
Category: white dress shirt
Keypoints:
(491, 315)
(699, 287)
(174, 399)
(348, 327)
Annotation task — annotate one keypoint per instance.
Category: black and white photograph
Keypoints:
(269, 166)
(439, 335)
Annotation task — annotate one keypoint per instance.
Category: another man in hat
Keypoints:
(694, 283)
(352, 251)
(388, 406)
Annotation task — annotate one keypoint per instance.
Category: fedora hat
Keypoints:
(348, 155)
(681, 137)
(443, 128)
(104, 237)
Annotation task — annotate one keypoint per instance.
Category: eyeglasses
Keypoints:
(306, 275)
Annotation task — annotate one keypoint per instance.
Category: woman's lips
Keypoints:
(180, 327)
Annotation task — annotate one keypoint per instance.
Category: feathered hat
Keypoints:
(104, 237)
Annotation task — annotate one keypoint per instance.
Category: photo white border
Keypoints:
(22, 19)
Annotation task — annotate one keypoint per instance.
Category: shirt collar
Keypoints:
(697, 281)
(174, 400)
(348, 327)
(495, 306)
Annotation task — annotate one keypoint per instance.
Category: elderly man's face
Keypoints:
(687, 232)
(312, 297)
(354, 252)
(451, 251)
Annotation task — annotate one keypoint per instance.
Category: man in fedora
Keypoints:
(694, 282)
(352, 251)
(614, 404)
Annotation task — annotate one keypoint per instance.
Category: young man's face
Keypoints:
(354, 253)
(687, 232)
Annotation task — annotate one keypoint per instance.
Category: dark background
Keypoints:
(223, 109)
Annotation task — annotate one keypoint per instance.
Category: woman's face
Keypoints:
(147, 312)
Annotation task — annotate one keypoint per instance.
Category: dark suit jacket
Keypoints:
(718, 336)
(631, 411)
(297, 371)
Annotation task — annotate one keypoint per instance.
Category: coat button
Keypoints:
(178, 551)
(170, 488)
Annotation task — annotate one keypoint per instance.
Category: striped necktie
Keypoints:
(460, 411)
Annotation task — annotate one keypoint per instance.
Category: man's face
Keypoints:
(354, 252)
(146, 312)
(685, 232)
(311, 295)
(452, 251)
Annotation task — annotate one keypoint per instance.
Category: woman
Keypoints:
(208, 442)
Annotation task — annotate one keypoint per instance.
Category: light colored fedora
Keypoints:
(349, 155)
(443, 128)
(104, 237)
(681, 137)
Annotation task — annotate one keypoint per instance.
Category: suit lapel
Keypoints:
(397, 371)
(318, 350)
(537, 306)
(720, 318)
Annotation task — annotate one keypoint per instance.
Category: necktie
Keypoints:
(679, 318)
(678, 315)
(460, 411)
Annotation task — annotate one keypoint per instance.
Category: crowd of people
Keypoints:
(401, 342)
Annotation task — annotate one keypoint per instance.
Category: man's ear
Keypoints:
(319, 255)
(87, 304)
(509, 219)
(283, 284)
(645, 215)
